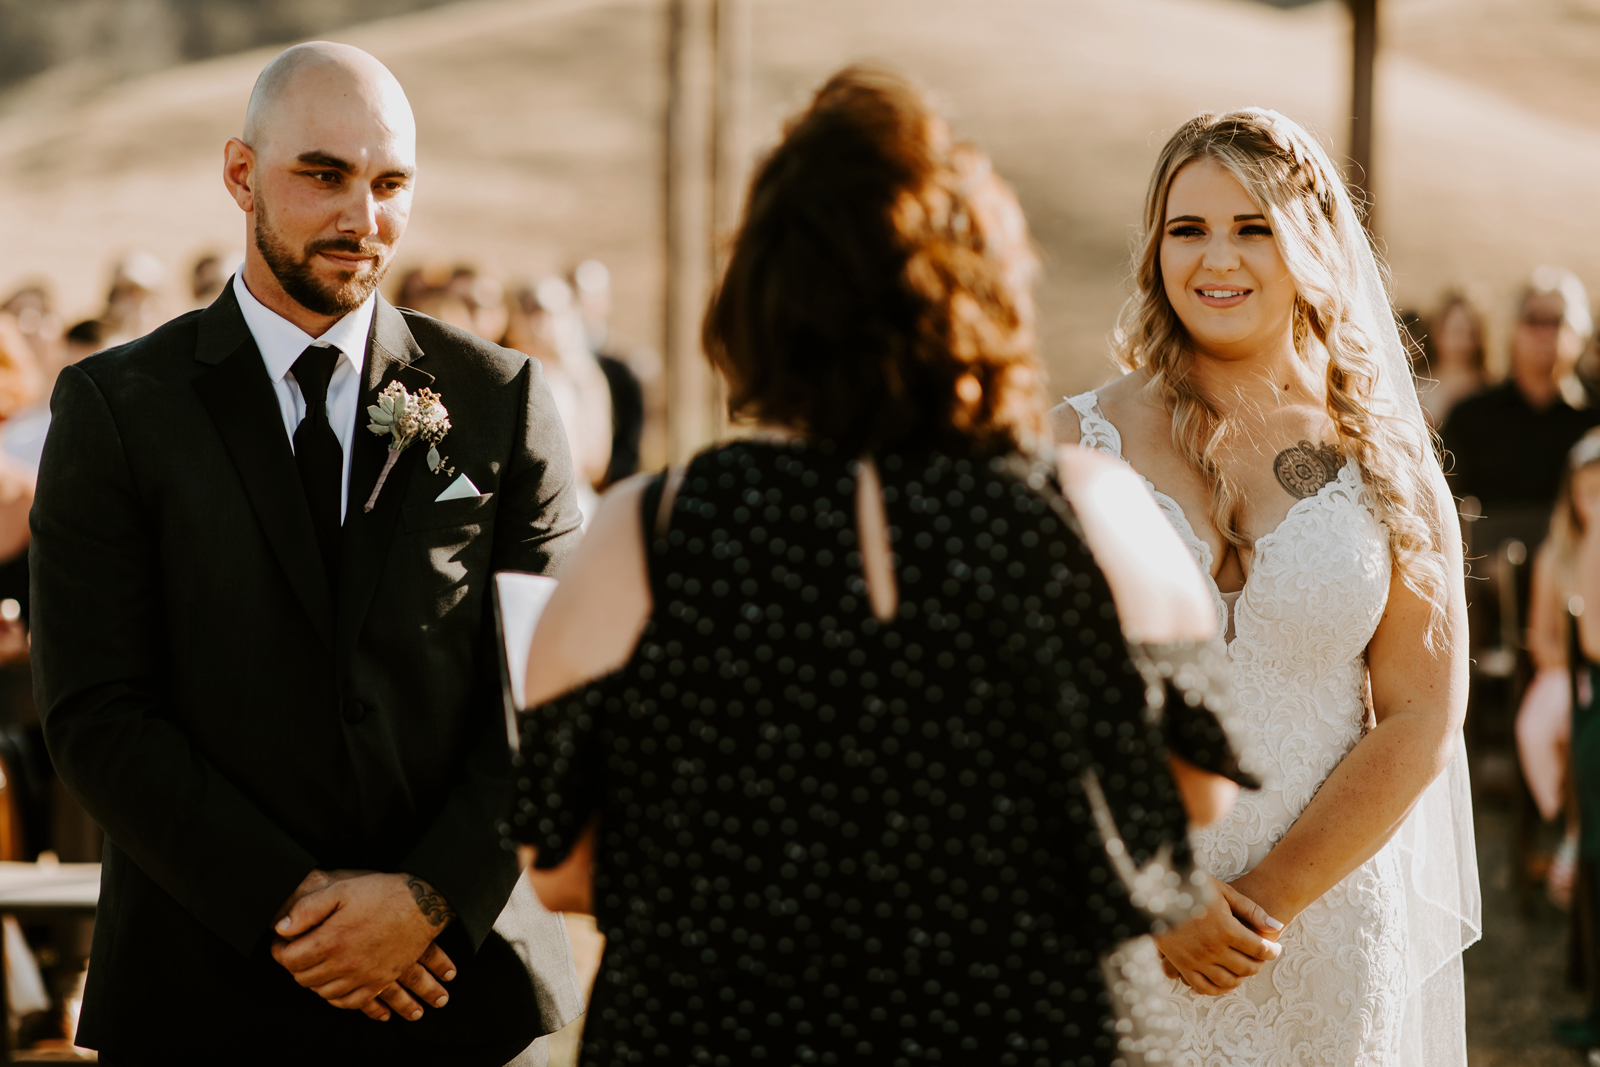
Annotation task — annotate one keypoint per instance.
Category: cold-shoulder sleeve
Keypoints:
(1125, 709)
(565, 747)
(1190, 682)
(560, 767)
(1124, 825)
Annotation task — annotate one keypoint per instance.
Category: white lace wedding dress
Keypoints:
(1371, 973)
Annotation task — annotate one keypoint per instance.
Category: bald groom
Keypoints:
(275, 685)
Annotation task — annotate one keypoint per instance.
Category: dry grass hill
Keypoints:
(540, 118)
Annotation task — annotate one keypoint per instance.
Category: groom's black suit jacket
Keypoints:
(233, 724)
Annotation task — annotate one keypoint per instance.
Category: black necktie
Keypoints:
(318, 455)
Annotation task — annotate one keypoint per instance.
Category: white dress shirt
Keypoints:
(281, 342)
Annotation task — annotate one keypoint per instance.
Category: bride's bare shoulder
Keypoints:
(1113, 396)
(1064, 424)
(1125, 395)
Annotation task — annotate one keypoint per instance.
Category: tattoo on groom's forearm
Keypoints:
(429, 902)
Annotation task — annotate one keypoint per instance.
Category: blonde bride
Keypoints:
(1269, 405)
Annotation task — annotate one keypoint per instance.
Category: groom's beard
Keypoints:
(303, 285)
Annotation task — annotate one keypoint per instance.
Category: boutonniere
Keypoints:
(405, 419)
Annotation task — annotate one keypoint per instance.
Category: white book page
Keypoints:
(522, 599)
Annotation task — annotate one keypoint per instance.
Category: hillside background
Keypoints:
(540, 127)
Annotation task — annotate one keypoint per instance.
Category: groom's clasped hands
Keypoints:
(1216, 951)
(366, 940)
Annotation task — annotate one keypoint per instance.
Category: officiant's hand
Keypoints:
(1215, 952)
(363, 940)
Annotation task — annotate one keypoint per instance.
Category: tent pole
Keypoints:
(1364, 50)
(687, 202)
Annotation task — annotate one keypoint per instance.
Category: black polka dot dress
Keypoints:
(829, 840)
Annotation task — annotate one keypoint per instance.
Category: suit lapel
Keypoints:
(391, 351)
(238, 394)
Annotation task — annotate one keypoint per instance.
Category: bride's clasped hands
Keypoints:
(1215, 952)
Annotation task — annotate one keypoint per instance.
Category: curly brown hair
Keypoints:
(878, 289)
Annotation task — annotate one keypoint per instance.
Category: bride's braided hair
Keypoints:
(1335, 272)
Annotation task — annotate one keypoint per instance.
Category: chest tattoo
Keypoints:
(1303, 469)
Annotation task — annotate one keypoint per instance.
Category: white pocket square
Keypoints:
(460, 489)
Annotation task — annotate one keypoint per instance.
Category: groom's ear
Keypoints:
(239, 173)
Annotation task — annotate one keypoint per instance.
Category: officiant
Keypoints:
(262, 545)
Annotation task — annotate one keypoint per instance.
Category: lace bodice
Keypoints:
(1316, 590)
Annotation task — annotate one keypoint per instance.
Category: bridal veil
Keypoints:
(1436, 846)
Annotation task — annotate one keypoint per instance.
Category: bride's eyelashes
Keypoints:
(1189, 229)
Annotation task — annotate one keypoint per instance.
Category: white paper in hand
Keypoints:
(460, 489)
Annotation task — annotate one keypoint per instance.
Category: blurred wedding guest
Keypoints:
(19, 387)
(544, 322)
(1509, 442)
(1567, 635)
(462, 297)
(22, 435)
(446, 306)
(19, 370)
(837, 733)
(133, 305)
(592, 283)
(1454, 358)
(414, 288)
(25, 386)
(1587, 371)
(210, 274)
(484, 299)
(34, 312)
(1544, 720)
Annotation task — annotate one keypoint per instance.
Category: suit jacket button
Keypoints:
(354, 711)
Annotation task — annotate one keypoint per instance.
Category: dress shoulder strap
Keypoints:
(650, 506)
(655, 516)
(1095, 430)
(655, 509)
